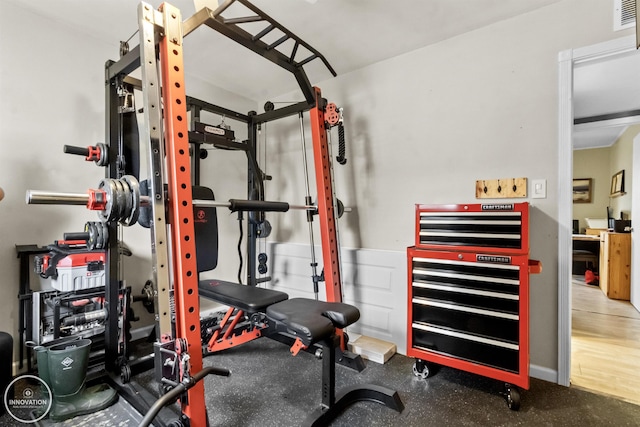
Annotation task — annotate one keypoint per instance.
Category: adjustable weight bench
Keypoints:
(312, 322)
(233, 330)
(245, 319)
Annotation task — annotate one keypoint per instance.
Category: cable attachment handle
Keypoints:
(342, 147)
(334, 116)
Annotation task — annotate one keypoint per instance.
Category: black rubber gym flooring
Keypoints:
(269, 387)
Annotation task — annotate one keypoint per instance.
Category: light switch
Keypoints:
(538, 188)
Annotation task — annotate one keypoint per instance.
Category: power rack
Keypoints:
(177, 356)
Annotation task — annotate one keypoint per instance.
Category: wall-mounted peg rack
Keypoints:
(502, 188)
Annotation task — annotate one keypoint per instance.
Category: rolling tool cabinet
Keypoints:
(468, 292)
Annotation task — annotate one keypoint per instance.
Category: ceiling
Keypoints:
(607, 87)
(351, 35)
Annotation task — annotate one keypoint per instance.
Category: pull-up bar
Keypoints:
(230, 27)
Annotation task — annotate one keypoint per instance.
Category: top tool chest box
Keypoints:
(496, 228)
(468, 280)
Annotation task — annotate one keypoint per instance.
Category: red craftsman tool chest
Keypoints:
(468, 296)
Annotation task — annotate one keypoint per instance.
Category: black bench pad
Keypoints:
(247, 298)
(312, 320)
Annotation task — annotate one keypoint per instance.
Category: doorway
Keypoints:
(568, 61)
(605, 329)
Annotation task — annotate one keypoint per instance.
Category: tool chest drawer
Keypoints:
(466, 347)
(463, 319)
(495, 227)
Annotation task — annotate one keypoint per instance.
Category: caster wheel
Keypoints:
(512, 395)
(421, 369)
(125, 373)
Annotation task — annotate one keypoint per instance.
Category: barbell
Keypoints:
(120, 200)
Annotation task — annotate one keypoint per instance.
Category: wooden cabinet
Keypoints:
(615, 265)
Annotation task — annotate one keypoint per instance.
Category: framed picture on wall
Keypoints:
(617, 184)
(582, 190)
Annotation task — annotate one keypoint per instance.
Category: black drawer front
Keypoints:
(459, 319)
(466, 268)
(470, 297)
(491, 229)
(478, 276)
(467, 349)
(480, 242)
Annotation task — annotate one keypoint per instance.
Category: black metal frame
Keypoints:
(230, 28)
(112, 281)
(255, 176)
(25, 298)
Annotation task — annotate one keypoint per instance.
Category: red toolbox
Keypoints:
(468, 292)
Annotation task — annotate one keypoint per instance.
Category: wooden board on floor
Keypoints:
(373, 349)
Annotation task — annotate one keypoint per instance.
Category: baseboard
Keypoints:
(543, 373)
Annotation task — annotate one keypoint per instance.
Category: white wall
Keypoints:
(50, 97)
(594, 164)
(621, 159)
(600, 164)
(422, 127)
(52, 86)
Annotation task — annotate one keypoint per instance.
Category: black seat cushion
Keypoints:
(311, 320)
(247, 298)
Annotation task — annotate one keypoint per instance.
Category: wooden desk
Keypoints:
(615, 265)
(585, 238)
(586, 251)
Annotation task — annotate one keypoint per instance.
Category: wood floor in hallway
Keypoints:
(605, 343)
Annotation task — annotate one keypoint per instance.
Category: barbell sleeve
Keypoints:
(35, 197)
(78, 151)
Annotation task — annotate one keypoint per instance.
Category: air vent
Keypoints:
(624, 14)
